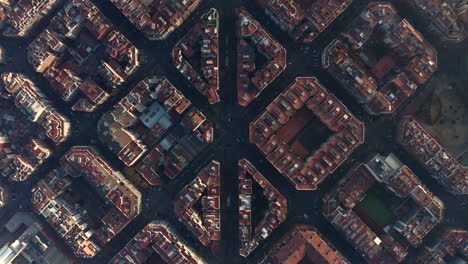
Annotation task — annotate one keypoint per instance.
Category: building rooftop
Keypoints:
(304, 244)
(25, 145)
(381, 82)
(206, 188)
(86, 161)
(157, 19)
(254, 44)
(3, 55)
(20, 153)
(412, 220)
(75, 224)
(20, 16)
(442, 166)
(82, 56)
(443, 19)
(305, 20)
(337, 209)
(157, 237)
(157, 129)
(200, 47)
(252, 233)
(405, 184)
(447, 245)
(276, 131)
(29, 99)
(4, 195)
(25, 238)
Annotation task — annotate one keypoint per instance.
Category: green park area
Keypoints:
(465, 162)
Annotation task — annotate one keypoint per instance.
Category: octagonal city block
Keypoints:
(436, 159)
(304, 244)
(304, 20)
(158, 237)
(307, 133)
(360, 208)
(24, 146)
(443, 18)
(156, 128)
(381, 59)
(85, 226)
(445, 244)
(20, 17)
(157, 19)
(83, 55)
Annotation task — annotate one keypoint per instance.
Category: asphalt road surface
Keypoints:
(231, 122)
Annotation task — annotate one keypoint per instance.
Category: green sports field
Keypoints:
(377, 206)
